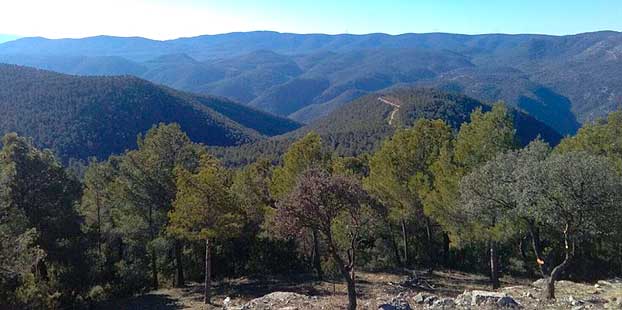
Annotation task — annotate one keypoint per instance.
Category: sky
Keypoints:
(168, 19)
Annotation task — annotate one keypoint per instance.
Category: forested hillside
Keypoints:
(560, 80)
(349, 155)
(79, 117)
(434, 200)
(360, 126)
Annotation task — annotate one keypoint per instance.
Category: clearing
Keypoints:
(396, 107)
(376, 289)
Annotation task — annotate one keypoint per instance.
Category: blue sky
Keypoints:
(4, 38)
(166, 19)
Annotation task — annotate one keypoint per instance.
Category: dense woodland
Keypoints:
(429, 196)
(360, 126)
(562, 81)
(81, 117)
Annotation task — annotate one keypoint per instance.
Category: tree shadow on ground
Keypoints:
(147, 301)
(253, 287)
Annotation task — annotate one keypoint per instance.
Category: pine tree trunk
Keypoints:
(317, 262)
(179, 272)
(429, 244)
(521, 247)
(494, 265)
(405, 241)
(445, 249)
(120, 249)
(42, 270)
(154, 269)
(396, 250)
(99, 225)
(208, 273)
(154, 266)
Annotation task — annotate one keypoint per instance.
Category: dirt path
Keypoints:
(396, 107)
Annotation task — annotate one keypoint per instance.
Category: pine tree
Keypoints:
(38, 219)
(400, 174)
(486, 136)
(203, 209)
(146, 189)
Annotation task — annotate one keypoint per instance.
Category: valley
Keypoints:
(82, 117)
(307, 76)
(159, 155)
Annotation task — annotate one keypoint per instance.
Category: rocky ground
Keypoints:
(386, 291)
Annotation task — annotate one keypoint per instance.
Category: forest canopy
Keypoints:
(168, 211)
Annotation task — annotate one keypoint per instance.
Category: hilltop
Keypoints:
(360, 126)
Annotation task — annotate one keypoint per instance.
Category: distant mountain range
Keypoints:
(560, 80)
(79, 117)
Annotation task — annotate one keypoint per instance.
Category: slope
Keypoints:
(79, 117)
(578, 76)
(360, 126)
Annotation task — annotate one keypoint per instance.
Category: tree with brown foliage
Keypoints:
(339, 209)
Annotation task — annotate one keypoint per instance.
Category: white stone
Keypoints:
(480, 297)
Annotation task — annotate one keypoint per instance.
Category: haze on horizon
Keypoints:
(168, 19)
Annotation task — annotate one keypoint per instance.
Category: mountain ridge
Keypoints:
(578, 75)
(361, 125)
(79, 117)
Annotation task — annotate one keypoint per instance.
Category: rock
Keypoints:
(574, 302)
(540, 282)
(463, 299)
(611, 284)
(507, 302)
(513, 288)
(227, 304)
(420, 298)
(485, 297)
(596, 300)
(397, 303)
(394, 307)
(444, 303)
(529, 295)
(289, 308)
(278, 300)
(430, 300)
